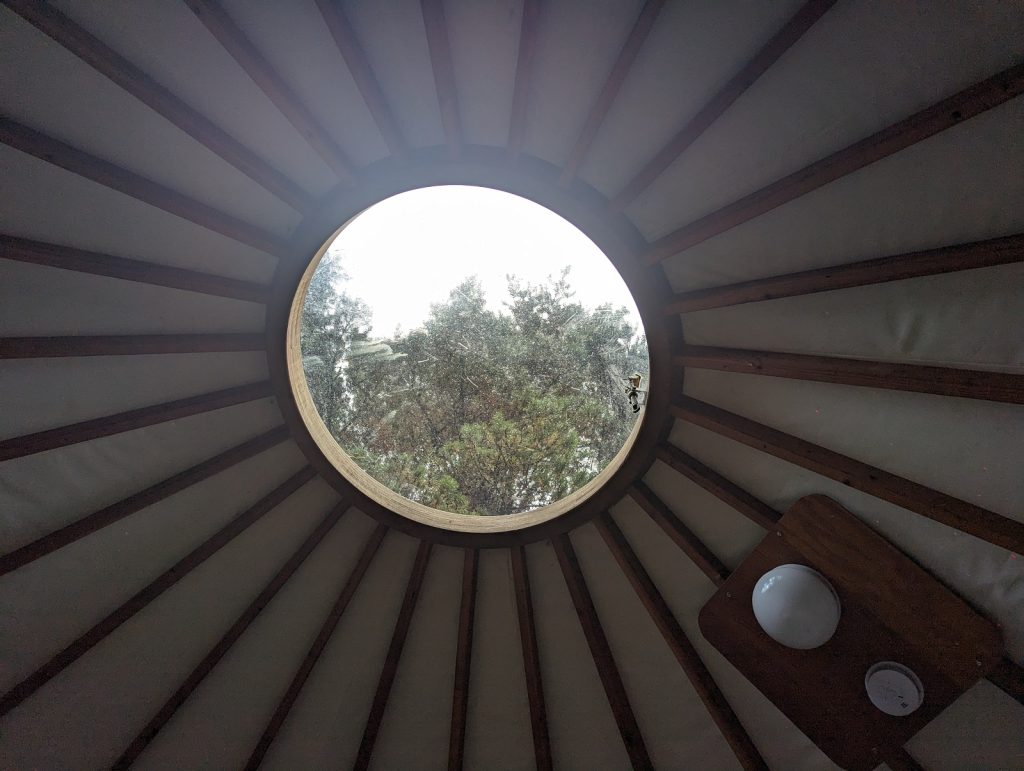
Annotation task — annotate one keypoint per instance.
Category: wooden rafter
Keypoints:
(680, 534)
(531, 660)
(97, 264)
(444, 74)
(601, 652)
(945, 381)
(1009, 677)
(898, 759)
(949, 112)
(394, 656)
(355, 577)
(229, 638)
(746, 504)
(29, 444)
(362, 73)
(108, 62)
(127, 345)
(897, 267)
(950, 511)
(115, 512)
(783, 40)
(699, 676)
(72, 652)
(529, 29)
(610, 90)
(48, 149)
(234, 41)
(463, 659)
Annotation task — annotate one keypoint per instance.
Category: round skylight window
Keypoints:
(471, 354)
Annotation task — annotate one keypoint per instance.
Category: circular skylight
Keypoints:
(472, 352)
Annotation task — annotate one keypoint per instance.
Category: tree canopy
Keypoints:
(476, 411)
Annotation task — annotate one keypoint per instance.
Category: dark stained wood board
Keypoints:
(892, 610)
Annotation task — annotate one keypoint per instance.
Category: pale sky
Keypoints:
(410, 250)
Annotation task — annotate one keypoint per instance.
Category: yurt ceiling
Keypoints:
(819, 207)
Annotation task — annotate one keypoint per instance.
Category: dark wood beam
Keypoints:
(394, 656)
(726, 491)
(601, 652)
(612, 85)
(698, 675)
(463, 659)
(531, 659)
(444, 74)
(102, 172)
(229, 638)
(530, 27)
(127, 345)
(355, 577)
(234, 41)
(362, 73)
(1009, 677)
(945, 381)
(898, 759)
(897, 267)
(152, 591)
(950, 511)
(41, 441)
(680, 534)
(108, 62)
(949, 112)
(97, 264)
(115, 512)
(783, 40)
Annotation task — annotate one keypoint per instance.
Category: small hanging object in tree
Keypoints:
(633, 391)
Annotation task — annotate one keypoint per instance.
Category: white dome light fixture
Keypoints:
(796, 606)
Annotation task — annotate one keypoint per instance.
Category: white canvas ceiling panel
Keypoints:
(99, 702)
(861, 68)
(392, 34)
(498, 733)
(85, 477)
(692, 51)
(169, 43)
(222, 721)
(578, 42)
(954, 187)
(45, 203)
(120, 128)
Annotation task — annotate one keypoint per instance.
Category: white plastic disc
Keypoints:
(894, 688)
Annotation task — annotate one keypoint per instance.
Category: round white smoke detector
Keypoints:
(894, 688)
(796, 606)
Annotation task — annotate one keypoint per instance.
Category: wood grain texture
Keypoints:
(612, 85)
(108, 62)
(394, 656)
(723, 99)
(950, 511)
(46, 148)
(41, 441)
(139, 271)
(1008, 676)
(680, 534)
(115, 512)
(323, 636)
(362, 73)
(700, 678)
(528, 31)
(76, 649)
(127, 345)
(896, 267)
(229, 638)
(601, 652)
(949, 112)
(944, 381)
(531, 659)
(463, 660)
(444, 75)
(726, 491)
(234, 41)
